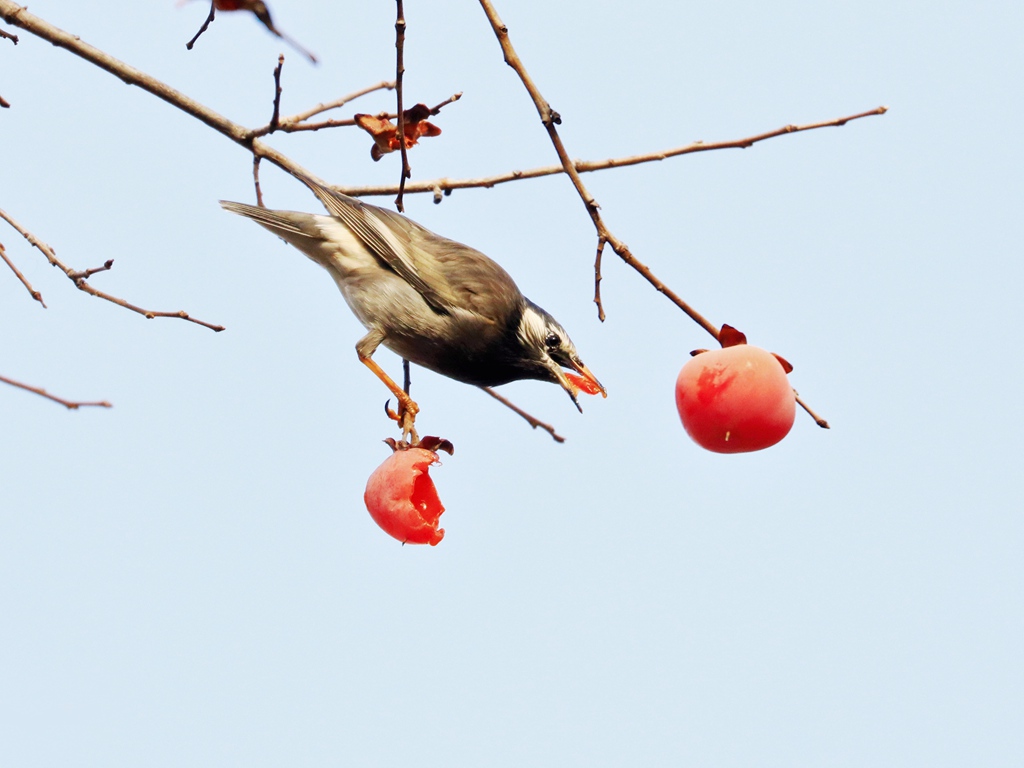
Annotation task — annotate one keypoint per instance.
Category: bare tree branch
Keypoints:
(550, 119)
(149, 314)
(289, 127)
(275, 117)
(532, 421)
(399, 76)
(28, 286)
(206, 24)
(256, 179)
(18, 16)
(4, 104)
(80, 279)
(338, 103)
(597, 278)
(71, 405)
(446, 185)
(817, 419)
(85, 274)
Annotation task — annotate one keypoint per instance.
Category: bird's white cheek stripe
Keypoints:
(532, 327)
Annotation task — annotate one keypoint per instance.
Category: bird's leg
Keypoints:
(406, 419)
(407, 408)
(406, 403)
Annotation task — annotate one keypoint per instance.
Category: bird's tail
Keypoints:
(276, 221)
(297, 228)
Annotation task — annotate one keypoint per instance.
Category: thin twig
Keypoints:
(46, 250)
(532, 421)
(288, 125)
(80, 279)
(436, 110)
(275, 117)
(209, 20)
(338, 103)
(589, 166)
(71, 405)
(597, 278)
(149, 314)
(85, 274)
(817, 419)
(399, 74)
(17, 272)
(256, 180)
(4, 104)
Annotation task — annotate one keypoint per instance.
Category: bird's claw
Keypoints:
(408, 430)
(405, 417)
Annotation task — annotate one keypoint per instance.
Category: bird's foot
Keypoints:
(405, 416)
(407, 421)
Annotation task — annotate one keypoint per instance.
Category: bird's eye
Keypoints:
(553, 340)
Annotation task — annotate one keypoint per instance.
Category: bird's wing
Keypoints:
(448, 274)
(390, 238)
(479, 283)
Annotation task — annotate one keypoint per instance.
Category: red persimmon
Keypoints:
(402, 499)
(735, 399)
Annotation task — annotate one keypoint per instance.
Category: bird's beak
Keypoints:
(588, 382)
(588, 377)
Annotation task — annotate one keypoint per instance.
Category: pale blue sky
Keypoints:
(191, 578)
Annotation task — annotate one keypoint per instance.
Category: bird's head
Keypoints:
(549, 350)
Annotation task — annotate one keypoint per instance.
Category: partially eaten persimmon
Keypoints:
(402, 499)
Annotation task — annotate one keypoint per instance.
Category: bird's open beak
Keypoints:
(586, 381)
(589, 378)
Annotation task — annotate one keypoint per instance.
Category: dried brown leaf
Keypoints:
(385, 133)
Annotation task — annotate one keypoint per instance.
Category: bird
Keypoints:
(431, 300)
